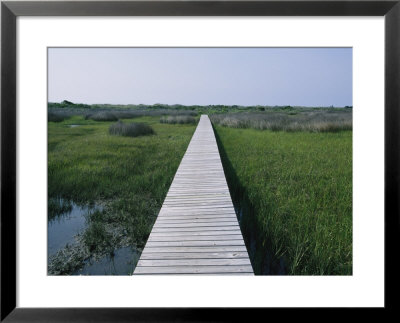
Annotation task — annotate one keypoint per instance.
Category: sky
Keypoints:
(201, 76)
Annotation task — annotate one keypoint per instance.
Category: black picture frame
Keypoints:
(10, 10)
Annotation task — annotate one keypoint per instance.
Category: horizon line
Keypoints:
(207, 105)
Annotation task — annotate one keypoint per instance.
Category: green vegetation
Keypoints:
(171, 109)
(128, 177)
(57, 207)
(133, 129)
(178, 119)
(102, 116)
(56, 117)
(291, 182)
(289, 119)
(294, 191)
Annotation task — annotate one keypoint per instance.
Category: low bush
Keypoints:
(133, 129)
(178, 119)
(102, 116)
(57, 117)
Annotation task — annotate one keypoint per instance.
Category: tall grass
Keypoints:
(102, 116)
(57, 207)
(310, 120)
(293, 193)
(178, 119)
(128, 178)
(132, 129)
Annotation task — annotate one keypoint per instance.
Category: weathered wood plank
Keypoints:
(197, 229)
(194, 255)
(230, 237)
(183, 216)
(196, 243)
(193, 233)
(193, 262)
(192, 225)
(192, 218)
(195, 270)
(178, 249)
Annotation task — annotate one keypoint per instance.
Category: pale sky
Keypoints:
(202, 76)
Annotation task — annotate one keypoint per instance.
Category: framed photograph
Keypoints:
(197, 157)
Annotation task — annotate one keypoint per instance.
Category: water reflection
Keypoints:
(122, 262)
(66, 220)
(63, 226)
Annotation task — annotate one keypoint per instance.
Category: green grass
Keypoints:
(132, 129)
(130, 177)
(295, 191)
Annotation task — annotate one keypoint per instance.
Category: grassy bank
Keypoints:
(294, 191)
(128, 176)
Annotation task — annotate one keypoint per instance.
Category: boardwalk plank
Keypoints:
(178, 249)
(194, 255)
(196, 229)
(229, 237)
(195, 270)
(193, 262)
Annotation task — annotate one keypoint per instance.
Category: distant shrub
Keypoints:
(126, 114)
(57, 116)
(178, 119)
(102, 116)
(132, 129)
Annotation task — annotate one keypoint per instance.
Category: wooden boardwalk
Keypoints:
(196, 231)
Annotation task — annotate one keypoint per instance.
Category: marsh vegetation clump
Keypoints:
(290, 120)
(57, 207)
(132, 129)
(102, 116)
(180, 119)
(57, 117)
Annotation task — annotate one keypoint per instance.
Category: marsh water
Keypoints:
(120, 263)
(63, 230)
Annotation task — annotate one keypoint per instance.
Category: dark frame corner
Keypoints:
(10, 10)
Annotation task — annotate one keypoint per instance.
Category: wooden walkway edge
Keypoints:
(196, 231)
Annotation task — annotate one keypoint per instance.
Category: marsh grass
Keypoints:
(102, 116)
(57, 116)
(290, 120)
(57, 207)
(295, 193)
(113, 114)
(129, 178)
(178, 119)
(132, 129)
(96, 237)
